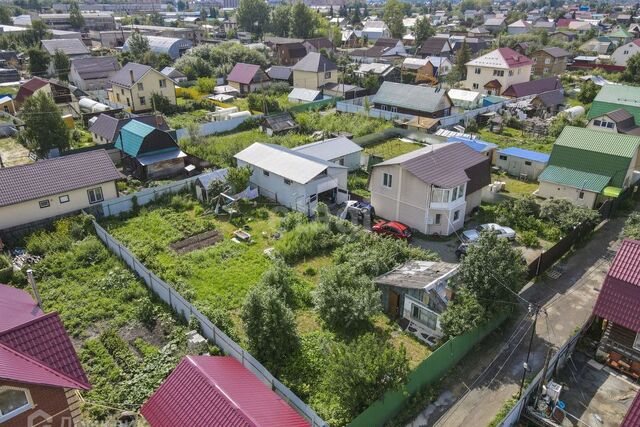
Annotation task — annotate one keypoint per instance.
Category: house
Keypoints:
(61, 95)
(599, 46)
(478, 32)
(431, 189)
(174, 47)
(301, 96)
(343, 90)
(7, 105)
(280, 73)
(439, 66)
(384, 72)
(494, 72)
(612, 97)
(278, 123)
(105, 129)
(395, 46)
(149, 152)
(73, 48)
(586, 166)
(465, 99)
(533, 87)
(421, 70)
(290, 53)
(174, 74)
(549, 61)
(521, 163)
(349, 39)
(41, 372)
(435, 46)
(248, 78)
(204, 180)
(204, 391)
(549, 103)
(314, 71)
(135, 84)
(415, 100)
(57, 186)
(562, 36)
(618, 305)
(317, 44)
(374, 30)
(519, 27)
(93, 73)
(620, 36)
(294, 180)
(543, 25)
(417, 291)
(495, 25)
(618, 121)
(9, 75)
(624, 52)
(486, 148)
(339, 150)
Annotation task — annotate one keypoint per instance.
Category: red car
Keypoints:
(394, 229)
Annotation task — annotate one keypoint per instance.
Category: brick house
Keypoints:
(549, 61)
(40, 371)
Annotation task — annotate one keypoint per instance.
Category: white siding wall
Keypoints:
(550, 190)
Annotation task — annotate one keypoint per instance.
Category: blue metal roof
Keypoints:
(132, 136)
(476, 144)
(525, 154)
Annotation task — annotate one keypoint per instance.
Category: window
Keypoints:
(456, 215)
(478, 70)
(475, 86)
(597, 122)
(547, 61)
(13, 401)
(128, 102)
(454, 196)
(118, 97)
(511, 72)
(95, 195)
(64, 199)
(265, 173)
(626, 52)
(636, 342)
(44, 204)
(610, 125)
(527, 162)
(143, 101)
(162, 83)
(122, 91)
(426, 317)
(341, 161)
(438, 218)
(545, 71)
(327, 75)
(503, 157)
(140, 86)
(287, 181)
(6, 109)
(387, 180)
(581, 195)
(499, 73)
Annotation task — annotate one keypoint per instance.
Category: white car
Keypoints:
(502, 232)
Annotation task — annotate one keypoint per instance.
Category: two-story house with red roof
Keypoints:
(499, 69)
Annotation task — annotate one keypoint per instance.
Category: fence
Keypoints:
(431, 370)
(315, 105)
(212, 128)
(557, 362)
(185, 309)
(353, 106)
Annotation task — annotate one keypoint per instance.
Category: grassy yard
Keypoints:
(358, 183)
(515, 187)
(13, 153)
(392, 148)
(514, 138)
(183, 120)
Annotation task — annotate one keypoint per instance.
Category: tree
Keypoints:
(213, 12)
(393, 16)
(631, 228)
(61, 64)
(423, 30)
(270, 327)
(281, 20)
(5, 15)
(38, 61)
(75, 16)
(459, 71)
(567, 216)
(345, 300)
(336, 35)
(253, 16)
(357, 374)
(303, 20)
(181, 5)
(38, 31)
(138, 46)
(589, 89)
(44, 127)
(463, 314)
(281, 279)
(203, 15)
(238, 178)
(371, 83)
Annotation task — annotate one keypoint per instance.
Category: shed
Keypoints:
(302, 96)
(174, 74)
(465, 99)
(340, 150)
(521, 163)
(174, 47)
(204, 180)
(278, 123)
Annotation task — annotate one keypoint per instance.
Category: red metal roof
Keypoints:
(513, 58)
(243, 73)
(208, 391)
(619, 299)
(35, 347)
(632, 419)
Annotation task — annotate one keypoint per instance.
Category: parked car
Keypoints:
(343, 209)
(393, 229)
(461, 251)
(502, 232)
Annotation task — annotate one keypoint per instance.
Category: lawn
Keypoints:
(392, 148)
(515, 187)
(183, 120)
(358, 183)
(13, 153)
(511, 137)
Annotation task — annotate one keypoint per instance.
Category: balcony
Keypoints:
(447, 198)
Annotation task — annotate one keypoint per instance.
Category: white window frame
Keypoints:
(475, 86)
(140, 86)
(387, 180)
(20, 410)
(44, 203)
(63, 199)
(95, 191)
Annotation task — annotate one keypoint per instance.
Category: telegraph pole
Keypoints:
(525, 365)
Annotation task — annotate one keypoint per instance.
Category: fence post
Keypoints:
(539, 261)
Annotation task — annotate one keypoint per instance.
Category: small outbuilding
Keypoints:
(521, 163)
(303, 96)
(340, 150)
(174, 47)
(279, 123)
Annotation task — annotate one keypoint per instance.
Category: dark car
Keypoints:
(394, 229)
(461, 251)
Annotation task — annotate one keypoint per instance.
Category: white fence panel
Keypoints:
(212, 128)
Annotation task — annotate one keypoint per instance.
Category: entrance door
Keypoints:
(394, 303)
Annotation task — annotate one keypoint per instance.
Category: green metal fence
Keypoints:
(315, 105)
(431, 370)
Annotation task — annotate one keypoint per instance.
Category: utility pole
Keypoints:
(525, 365)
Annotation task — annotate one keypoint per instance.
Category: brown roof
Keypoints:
(29, 87)
(533, 87)
(434, 46)
(108, 127)
(556, 52)
(245, 73)
(551, 98)
(386, 42)
(320, 43)
(54, 176)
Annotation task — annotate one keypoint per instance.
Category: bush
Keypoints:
(529, 239)
(566, 216)
(90, 251)
(305, 240)
(631, 228)
(293, 219)
(222, 320)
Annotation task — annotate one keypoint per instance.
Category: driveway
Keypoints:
(475, 391)
(445, 247)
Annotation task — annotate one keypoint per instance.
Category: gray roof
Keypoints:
(55, 176)
(68, 46)
(172, 72)
(95, 67)
(418, 98)
(108, 127)
(417, 274)
(279, 72)
(315, 63)
(330, 149)
(123, 77)
(556, 52)
(308, 95)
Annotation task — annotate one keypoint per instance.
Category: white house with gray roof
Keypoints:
(73, 48)
(294, 179)
(422, 101)
(340, 150)
(93, 72)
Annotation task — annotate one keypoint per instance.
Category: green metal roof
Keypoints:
(575, 179)
(621, 33)
(132, 136)
(611, 97)
(598, 141)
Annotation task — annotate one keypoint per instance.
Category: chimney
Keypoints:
(131, 75)
(32, 282)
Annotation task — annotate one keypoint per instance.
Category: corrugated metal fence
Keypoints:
(185, 309)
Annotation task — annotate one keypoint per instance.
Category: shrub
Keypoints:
(529, 239)
(305, 240)
(293, 219)
(566, 216)
(90, 251)
(281, 279)
(631, 228)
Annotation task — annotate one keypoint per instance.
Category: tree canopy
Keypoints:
(423, 30)
(38, 61)
(61, 64)
(631, 74)
(75, 16)
(281, 20)
(393, 16)
(138, 46)
(44, 127)
(216, 61)
(303, 21)
(253, 16)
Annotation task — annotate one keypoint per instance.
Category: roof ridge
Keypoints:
(28, 323)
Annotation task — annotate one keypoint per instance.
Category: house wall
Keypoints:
(350, 161)
(473, 201)
(548, 190)
(545, 64)
(29, 211)
(622, 54)
(515, 166)
(164, 169)
(273, 187)
(311, 80)
(89, 84)
(130, 97)
(48, 402)
(591, 125)
(520, 75)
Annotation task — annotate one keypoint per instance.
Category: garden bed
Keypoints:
(199, 241)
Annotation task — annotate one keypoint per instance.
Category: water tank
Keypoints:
(87, 104)
(239, 114)
(573, 112)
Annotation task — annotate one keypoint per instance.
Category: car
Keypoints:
(473, 234)
(394, 229)
(343, 209)
(461, 251)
